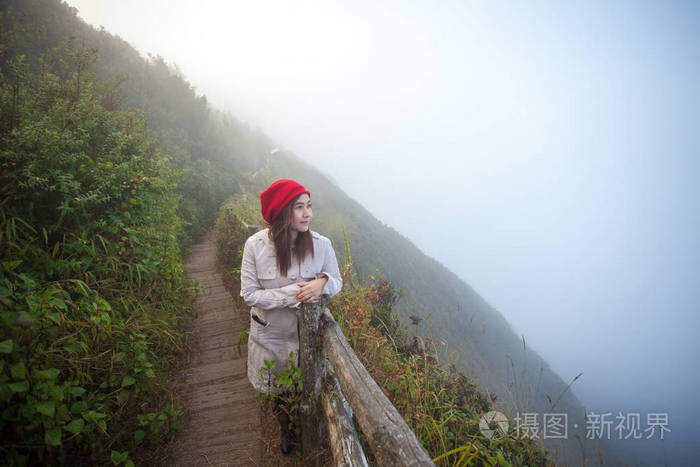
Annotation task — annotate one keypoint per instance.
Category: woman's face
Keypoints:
(301, 213)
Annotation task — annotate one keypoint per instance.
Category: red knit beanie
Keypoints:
(276, 197)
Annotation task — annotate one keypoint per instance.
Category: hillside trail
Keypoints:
(223, 426)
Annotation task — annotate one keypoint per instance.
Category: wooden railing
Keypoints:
(325, 412)
(336, 385)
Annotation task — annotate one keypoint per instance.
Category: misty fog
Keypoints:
(545, 153)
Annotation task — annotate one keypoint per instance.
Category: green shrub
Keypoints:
(231, 234)
(92, 289)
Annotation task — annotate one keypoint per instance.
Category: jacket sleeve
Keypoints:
(330, 270)
(252, 291)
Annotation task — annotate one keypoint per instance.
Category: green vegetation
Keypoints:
(91, 284)
(441, 405)
(230, 233)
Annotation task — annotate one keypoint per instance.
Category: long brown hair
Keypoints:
(280, 235)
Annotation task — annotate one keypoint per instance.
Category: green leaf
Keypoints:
(62, 411)
(92, 416)
(51, 373)
(18, 370)
(150, 373)
(75, 348)
(77, 391)
(129, 463)
(55, 249)
(128, 381)
(119, 457)
(76, 426)
(20, 387)
(6, 346)
(138, 436)
(55, 317)
(78, 407)
(57, 302)
(48, 408)
(10, 265)
(123, 397)
(102, 424)
(53, 436)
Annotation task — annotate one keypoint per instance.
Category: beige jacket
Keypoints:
(273, 335)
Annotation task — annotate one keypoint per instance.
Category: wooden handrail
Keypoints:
(321, 342)
(391, 439)
(342, 436)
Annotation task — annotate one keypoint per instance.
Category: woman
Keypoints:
(283, 266)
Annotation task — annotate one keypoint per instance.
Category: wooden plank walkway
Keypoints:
(224, 424)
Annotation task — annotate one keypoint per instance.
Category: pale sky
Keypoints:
(546, 152)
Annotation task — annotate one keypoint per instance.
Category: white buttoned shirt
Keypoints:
(272, 298)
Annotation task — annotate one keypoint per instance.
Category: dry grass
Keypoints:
(272, 455)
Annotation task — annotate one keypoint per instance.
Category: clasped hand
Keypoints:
(310, 292)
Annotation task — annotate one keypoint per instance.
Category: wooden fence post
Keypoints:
(312, 361)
